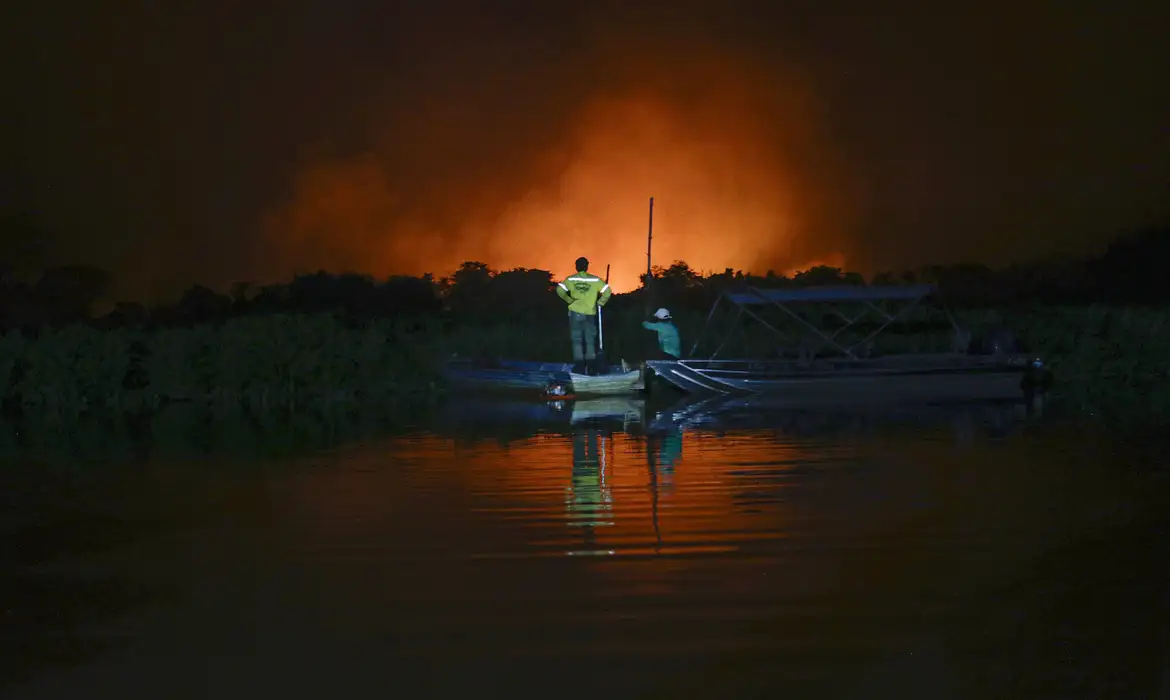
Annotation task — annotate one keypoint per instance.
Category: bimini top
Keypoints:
(832, 293)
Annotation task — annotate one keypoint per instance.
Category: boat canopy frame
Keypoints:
(868, 296)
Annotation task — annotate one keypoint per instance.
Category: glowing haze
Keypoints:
(740, 174)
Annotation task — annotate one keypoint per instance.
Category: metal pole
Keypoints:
(600, 332)
(600, 328)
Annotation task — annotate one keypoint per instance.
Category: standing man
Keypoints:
(584, 292)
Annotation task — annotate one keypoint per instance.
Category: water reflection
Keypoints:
(963, 420)
(188, 431)
(664, 448)
(950, 552)
(590, 502)
(590, 499)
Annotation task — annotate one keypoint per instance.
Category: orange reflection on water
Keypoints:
(614, 496)
(653, 508)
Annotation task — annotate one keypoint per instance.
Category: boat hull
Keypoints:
(511, 375)
(926, 379)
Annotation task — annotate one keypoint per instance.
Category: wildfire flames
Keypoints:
(717, 164)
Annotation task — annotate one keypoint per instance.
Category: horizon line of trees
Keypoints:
(1127, 273)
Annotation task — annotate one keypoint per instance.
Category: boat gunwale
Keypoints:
(698, 380)
(861, 373)
(894, 365)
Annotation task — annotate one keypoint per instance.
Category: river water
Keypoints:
(599, 549)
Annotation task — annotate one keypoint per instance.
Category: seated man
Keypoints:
(669, 343)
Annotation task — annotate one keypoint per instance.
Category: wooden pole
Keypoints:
(649, 268)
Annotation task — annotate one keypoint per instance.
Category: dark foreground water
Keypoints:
(496, 549)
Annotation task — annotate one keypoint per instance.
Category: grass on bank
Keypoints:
(262, 362)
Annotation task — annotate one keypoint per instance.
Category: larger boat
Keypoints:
(818, 365)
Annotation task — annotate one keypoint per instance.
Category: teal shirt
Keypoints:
(671, 450)
(668, 339)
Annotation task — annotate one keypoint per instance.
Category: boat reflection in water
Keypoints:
(590, 494)
(996, 418)
(624, 459)
(663, 423)
(528, 416)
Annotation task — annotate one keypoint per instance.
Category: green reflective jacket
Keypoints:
(584, 292)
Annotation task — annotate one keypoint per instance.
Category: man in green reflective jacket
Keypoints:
(584, 292)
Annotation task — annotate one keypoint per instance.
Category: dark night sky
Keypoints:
(220, 141)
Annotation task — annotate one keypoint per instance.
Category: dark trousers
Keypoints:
(658, 353)
(583, 331)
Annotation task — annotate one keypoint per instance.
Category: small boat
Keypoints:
(833, 372)
(555, 379)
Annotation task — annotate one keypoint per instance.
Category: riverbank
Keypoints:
(1104, 359)
(1113, 362)
(284, 361)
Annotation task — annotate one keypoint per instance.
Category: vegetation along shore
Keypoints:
(349, 339)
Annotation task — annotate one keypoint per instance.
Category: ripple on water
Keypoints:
(687, 561)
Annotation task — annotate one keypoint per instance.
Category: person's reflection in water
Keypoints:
(589, 502)
(663, 451)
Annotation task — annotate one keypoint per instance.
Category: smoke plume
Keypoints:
(515, 176)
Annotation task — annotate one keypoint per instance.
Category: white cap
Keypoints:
(662, 313)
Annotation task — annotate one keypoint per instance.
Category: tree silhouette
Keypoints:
(826, 275)
(68, 293)
(202, 305)
(468, 294)
(1129, 272)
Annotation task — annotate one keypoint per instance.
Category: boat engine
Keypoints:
(557, 390)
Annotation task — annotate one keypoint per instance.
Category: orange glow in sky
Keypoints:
(726, 194)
